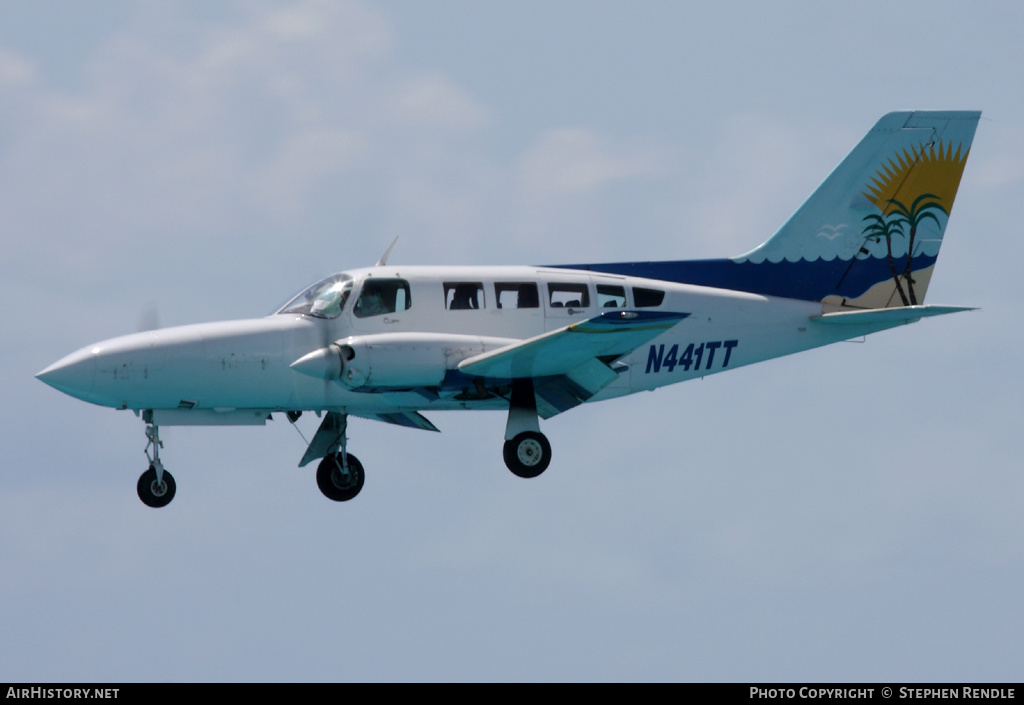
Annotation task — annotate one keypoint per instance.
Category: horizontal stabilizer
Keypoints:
(612, 334)
(887, 316)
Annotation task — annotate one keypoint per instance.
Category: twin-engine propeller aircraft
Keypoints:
(388, 342)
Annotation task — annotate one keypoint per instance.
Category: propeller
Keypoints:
(149, 317)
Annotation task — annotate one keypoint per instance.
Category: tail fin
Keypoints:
(869, 236)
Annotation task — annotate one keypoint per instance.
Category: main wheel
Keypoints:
(152, 493)
(528, 454)
(334, 483)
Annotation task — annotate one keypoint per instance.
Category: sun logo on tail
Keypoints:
(915, 186)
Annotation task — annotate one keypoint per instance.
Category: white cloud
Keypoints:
(432, 99)
(578, 160)
(172, 139)
(303, 159)
(754, 172)
(15, 70)
(207, 159)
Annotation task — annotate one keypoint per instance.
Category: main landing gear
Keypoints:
(156, 486)
(527, 451)
(339, 475)
(527, 454)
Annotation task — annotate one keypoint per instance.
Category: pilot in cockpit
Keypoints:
(329, 303)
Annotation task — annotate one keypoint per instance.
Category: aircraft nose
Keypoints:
(74, 375)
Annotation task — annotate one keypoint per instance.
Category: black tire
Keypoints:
(528, 454)
(152, 494)
(333, 483)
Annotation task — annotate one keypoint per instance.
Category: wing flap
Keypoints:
(408, 419)
(563, 392)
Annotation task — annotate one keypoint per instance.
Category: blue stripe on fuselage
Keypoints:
(809, 281)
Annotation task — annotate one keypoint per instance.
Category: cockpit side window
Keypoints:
(516, 295)
(463, 295)
(380, 296)
(325, 299)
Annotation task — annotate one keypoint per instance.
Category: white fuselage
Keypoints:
(230, 367)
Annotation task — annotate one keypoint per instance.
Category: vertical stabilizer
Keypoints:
(869, 236)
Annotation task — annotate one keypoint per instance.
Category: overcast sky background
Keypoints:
(850, 513)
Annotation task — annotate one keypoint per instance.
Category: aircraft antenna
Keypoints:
(384, 257)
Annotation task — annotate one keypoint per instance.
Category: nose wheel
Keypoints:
(153, 492)
(156, 486)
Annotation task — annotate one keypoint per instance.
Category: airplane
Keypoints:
(389, 343)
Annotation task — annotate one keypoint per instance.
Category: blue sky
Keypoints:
(851, 513)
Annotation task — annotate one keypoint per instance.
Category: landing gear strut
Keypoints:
(339, 475)
(527, 451)
(156, 486)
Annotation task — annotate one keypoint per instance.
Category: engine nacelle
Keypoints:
(394, 360)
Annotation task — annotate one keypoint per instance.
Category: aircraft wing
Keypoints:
(610, 335)
(572, 364)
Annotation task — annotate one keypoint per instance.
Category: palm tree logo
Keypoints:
(901, 221)
(881, 229)
(926, 177)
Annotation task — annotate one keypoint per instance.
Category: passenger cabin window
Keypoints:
(568, 295)
(611, 296)
(516, 295)
(380, 296)
(463, 295)
(647, 298)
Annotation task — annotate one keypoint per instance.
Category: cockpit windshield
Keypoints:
(325, 299)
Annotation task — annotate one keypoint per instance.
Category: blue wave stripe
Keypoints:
(810, 281)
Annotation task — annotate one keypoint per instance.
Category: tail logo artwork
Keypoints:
(927, 179)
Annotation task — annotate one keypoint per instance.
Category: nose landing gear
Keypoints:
(156, 486)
